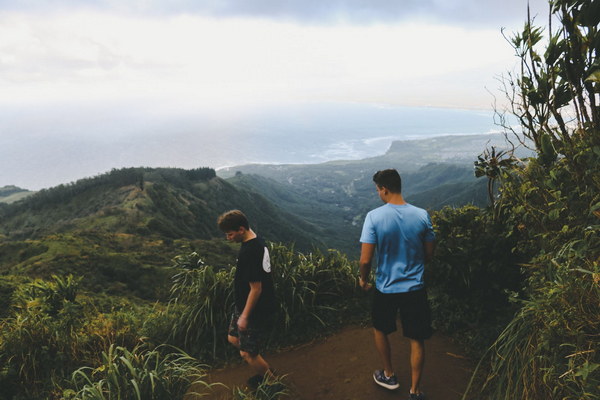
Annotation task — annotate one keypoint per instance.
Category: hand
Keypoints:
(364, 285)
(242, 323)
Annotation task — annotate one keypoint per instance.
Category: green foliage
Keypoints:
(269, 389)
(491, 165)
(51, 330)
(40, 340)
(312, 286)
(473, 276)
(139, 374)
(550, 348)
(201, 300)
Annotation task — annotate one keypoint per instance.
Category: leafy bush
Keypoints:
(473, 275)
(269, 389)
(201, 300)
(39, 342)
(140, 374)
(550, 349)
(52, 330)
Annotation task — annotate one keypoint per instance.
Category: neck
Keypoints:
(248, 235)
(396, 199)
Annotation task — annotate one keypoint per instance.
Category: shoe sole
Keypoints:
(385, 385)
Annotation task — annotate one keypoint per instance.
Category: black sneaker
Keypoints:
(390, 383)
(255, 381)
(416, 396)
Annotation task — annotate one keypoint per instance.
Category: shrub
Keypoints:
(473, 276)
(140, 374)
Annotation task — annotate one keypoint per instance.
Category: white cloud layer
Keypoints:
(98, 56)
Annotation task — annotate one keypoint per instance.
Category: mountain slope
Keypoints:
(10, 194)
(121, 230)
(170, 203)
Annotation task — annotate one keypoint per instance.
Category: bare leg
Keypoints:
(382, 344)
(257, 363)
(234, 340)
(417, 362)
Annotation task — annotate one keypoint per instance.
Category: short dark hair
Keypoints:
(389, 179)
(232, 221)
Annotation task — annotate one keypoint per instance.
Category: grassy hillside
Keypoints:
(169, 203)
(122, 229)
(10, 194)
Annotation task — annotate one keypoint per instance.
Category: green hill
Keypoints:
(10, 194)
(121, 229)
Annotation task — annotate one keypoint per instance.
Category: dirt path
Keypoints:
(341, 367)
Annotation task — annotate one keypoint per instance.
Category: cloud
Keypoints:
(461, 12)
(90, 55)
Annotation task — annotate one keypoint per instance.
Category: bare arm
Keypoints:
(429, 247)
(367, 251)
(253, 296)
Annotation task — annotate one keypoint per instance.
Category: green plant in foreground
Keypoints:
(140, 374)
(269, 389)
(201, 299)
(39, 341)
(550, 349)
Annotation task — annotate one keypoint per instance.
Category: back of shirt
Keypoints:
(254, 265)
(399, 233)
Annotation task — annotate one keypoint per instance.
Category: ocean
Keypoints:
(56, 146)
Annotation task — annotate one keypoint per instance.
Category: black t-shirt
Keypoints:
(254, 265)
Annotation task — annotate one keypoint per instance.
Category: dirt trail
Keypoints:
(341, 367)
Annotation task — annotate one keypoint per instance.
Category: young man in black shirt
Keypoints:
(254, 293)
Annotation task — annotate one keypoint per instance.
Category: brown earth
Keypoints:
(341, 367)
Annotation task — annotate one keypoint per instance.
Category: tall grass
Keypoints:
(51, 330)
(269, 389)
(551, 349)
(139, 374)
(201, 302)
(39, 341)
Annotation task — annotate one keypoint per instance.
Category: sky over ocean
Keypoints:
(309, 133)
(91, 85)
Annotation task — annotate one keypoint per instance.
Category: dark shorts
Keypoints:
(251, 340)
(414, 310)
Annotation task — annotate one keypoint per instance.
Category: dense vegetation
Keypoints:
(167, 202)
(58, 341)
(551, 205)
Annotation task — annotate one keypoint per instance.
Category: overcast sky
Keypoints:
(413, 52)
(230, 57)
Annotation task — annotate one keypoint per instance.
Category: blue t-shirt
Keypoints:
(399, 233)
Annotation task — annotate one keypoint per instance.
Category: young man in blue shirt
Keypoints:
(403, 238)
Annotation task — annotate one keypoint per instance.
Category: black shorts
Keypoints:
(415, 313)
(251, 340)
